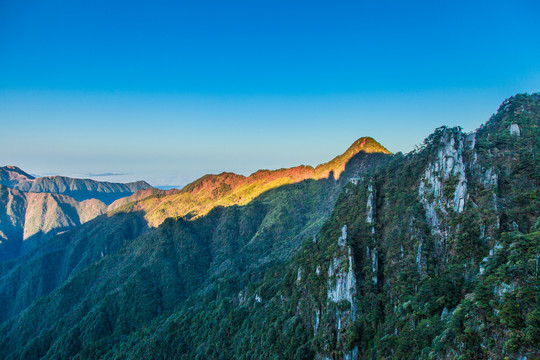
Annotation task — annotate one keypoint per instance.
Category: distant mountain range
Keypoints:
(33, 210)
(78, 189)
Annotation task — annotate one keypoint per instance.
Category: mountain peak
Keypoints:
(16, 171)
(367, 144)
(337, 165)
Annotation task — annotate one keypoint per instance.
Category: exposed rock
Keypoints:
(32, 218)
(341, 280)
(471, 139)
(241, 297)
(317, 320)
(502, 289)
(514, 130)
(448, 167)
(419, 257)
(342, 240)
(369, 205)
(483, 265)
(490, 178)
(342, 287)
(444, 313)
(373, 256)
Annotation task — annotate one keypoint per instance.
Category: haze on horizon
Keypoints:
(169, 92)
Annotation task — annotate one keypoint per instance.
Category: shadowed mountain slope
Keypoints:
(432, 256)
(12, 176)
(32, 210)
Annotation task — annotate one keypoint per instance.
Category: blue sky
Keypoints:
(169, 91)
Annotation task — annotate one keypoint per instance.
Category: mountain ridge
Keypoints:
(227, 188)
(79, 189)
(313, 201)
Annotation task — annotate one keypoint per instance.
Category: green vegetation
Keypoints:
(430, 279)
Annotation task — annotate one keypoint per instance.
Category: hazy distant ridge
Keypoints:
(32, 210)
(79, 189)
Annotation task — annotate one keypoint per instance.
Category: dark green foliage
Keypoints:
(252, 282)
(107, 281)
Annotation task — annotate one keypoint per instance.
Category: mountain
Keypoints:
(227, 240)
(28, 219)
(12, 176)
(33, 210)
(226, 189)
(427, 255)
(432, 256)
(42, 217)
(78, 189)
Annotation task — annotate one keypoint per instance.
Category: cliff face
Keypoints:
(444, 245)
(431, 256)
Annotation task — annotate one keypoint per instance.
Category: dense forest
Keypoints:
(427, 255)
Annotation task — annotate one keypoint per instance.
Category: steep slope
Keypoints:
(32, 210)
(11, 176)
(156, 272)
(29, 219)
(44, 216)
(11, 221)
(79, 189)
(227, 189)
(433, 256)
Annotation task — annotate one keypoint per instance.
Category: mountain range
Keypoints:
(78, 189)
(33, 210)
(427, 255)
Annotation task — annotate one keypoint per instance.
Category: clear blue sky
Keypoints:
(169, 91)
